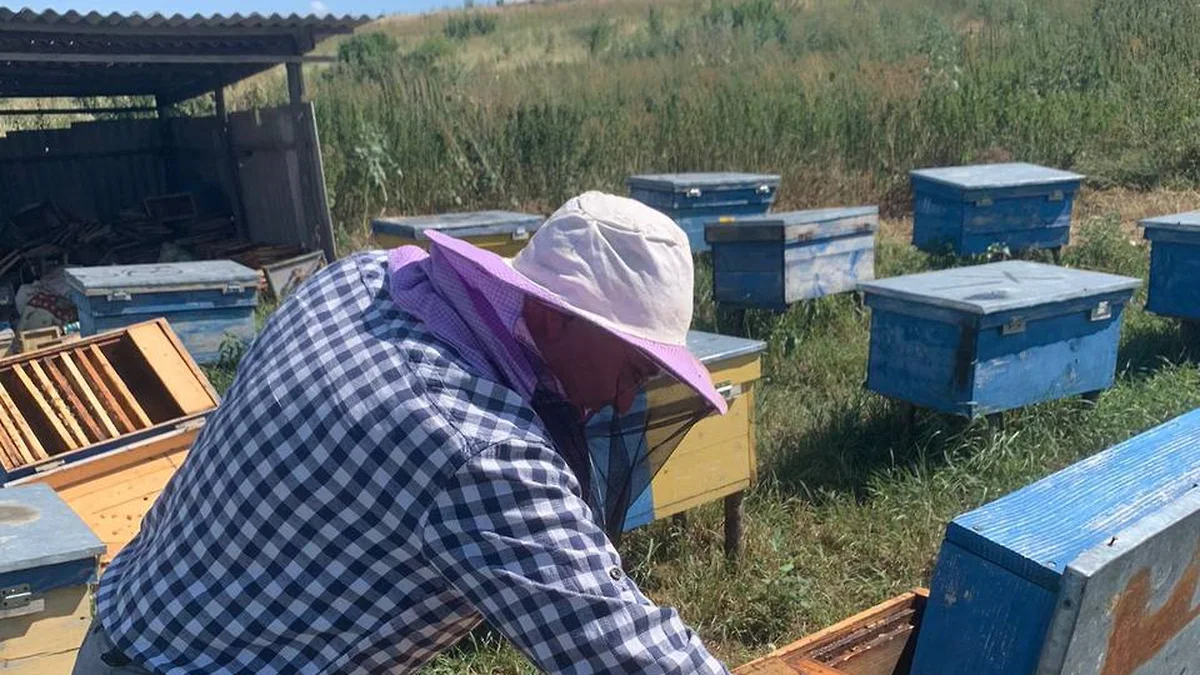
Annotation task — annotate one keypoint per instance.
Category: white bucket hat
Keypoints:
(614, 262)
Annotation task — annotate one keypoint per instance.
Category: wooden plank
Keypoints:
(43, 405)
(78, 410)
(31, 449)
(230, 59)
(105, 489)
(79, 439)
(93, 403)
(810, 667)
(114, 381)
(180, 380)
(1128, 605)
(93, 467)
(10, 458)
(108, 399)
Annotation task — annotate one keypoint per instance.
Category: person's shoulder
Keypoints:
(485, 412)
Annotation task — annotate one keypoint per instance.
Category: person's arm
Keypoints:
(511, 533)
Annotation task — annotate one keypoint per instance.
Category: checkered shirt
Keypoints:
(359, 502)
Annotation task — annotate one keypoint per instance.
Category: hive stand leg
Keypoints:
(995, 421)
(860, 301)
(908, 422)
(731, 320)
(733, 525)
(1189, 332)
(679, 521)
(1056, 253)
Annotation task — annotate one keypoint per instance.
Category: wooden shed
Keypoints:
(262, 166)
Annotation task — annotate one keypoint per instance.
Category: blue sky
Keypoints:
(369, 7)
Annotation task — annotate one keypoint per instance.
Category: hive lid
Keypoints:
(1179, 222)
(992, 176)
(795, 225)
(465, 224)
(999, 287)
(159, 277)
(676, 182)
(1041, 528)
(38, 529)
(710, 347)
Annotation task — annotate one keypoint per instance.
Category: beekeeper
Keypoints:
(418, 442)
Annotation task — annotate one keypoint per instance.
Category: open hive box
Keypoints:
(105, 421)
(879, 641)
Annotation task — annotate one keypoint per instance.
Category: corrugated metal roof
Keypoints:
(50, 54)
(29, 17)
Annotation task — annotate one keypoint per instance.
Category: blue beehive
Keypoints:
(983, 339)
(48, 557)
(1174, 265)
(971, 208)
(1040, 580)
(774, 260)
(502, 232)
(205, 302)
(695, 199)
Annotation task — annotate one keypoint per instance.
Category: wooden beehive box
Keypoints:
(696, 199)
(774, 260)
(971, 208)
(1094, 570)
(716, 458)
(501, 232)
(47, 563)
(984, 339)
(104, 420)
(206, 302)
(879, 641)
(1174, 265)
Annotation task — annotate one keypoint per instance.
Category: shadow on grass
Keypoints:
(1155, 343)
(852, 443)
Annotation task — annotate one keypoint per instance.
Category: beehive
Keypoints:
(1091, 571)
(984, 339)
(206, 303)
(775, 260)
(501, 232)
(1174, 265)
(105, 421)
(695, 199)
(47, 562)
(972, 208)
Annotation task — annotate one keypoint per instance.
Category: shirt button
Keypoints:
(616, 574)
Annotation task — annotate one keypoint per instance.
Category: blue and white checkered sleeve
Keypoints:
(511, 533)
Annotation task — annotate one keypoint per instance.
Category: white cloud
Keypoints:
(319, 7)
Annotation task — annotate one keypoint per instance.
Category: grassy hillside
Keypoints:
(524, 106)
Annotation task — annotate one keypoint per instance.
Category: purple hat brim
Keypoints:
(676, 360)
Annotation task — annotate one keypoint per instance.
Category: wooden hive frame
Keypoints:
(878, 641)
(61, 400)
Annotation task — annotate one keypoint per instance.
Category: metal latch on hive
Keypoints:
(729, 391)
(1102, 311)
(1013, 326)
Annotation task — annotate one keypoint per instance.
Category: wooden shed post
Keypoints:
(231, 162)
(295, 78)
(166, 143)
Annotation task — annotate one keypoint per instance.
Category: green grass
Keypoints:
(842, 97)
